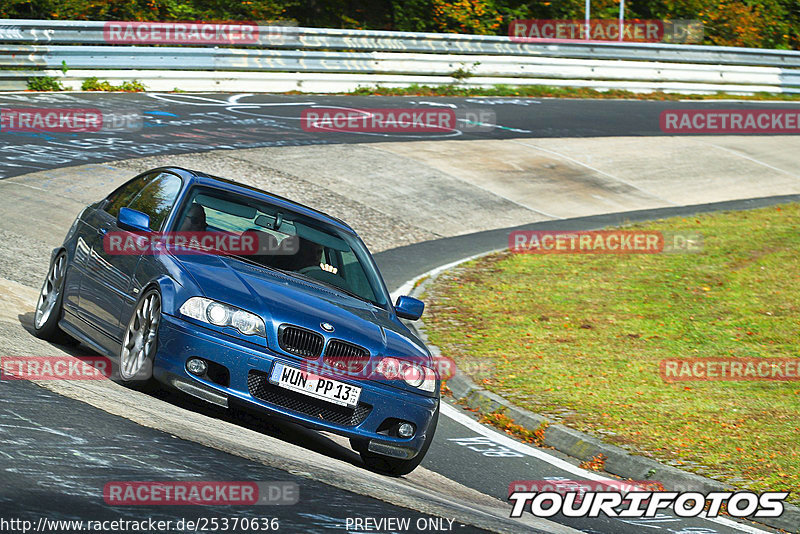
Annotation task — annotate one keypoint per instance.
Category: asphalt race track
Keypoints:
(53, 449)
(62, 442)
(179, 123)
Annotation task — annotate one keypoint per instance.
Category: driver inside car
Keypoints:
(195, 220)
(309, 254)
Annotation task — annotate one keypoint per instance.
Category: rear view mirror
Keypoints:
(409, 308)
(132, 220)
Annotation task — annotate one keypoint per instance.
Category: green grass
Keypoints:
(454, 90)
(579, 338)
(44, 83)
(544, 91)
(94, 84)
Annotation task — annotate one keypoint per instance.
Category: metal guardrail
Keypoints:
(91, 32)
(402, 56)
(512, 67)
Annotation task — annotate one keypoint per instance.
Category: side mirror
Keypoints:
(409, 308)
(132, 220)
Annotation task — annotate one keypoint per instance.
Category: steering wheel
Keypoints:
(318, 273)
(309, 269)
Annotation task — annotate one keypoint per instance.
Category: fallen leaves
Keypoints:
(507, 425)
(597, 463)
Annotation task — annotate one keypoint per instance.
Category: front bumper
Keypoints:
(248, 368)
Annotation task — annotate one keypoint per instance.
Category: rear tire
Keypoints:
(48, 306)
(394, 466)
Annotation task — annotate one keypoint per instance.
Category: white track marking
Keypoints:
(434, 104)
(756, 161)
(465, 420)
(741, 101)
(406, 288)
(10, 182)
(233, 100)
(733, 524)
(459, 417)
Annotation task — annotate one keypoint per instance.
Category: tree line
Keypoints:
(751, 23)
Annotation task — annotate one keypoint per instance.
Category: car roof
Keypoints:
(201, 178)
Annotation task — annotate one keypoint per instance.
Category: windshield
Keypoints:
(286, 241)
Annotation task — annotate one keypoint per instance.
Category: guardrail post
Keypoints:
(587, 12)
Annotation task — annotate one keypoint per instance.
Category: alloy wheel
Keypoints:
(51, 290)
(140, 337)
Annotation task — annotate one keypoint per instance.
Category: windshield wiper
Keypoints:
(332, 286)
(248, 260)
(304, 277)
(256, 263)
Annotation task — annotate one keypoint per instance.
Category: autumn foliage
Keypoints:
(752, 23)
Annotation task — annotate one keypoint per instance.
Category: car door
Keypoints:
(106, 287)
(156, 201)
(82, 235)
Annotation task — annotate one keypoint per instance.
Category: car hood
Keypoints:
(279, 298)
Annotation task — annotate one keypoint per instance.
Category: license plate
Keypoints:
(314, 385)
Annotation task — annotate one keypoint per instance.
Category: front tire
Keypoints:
(48, 306)
(139, 345)
(394, 466)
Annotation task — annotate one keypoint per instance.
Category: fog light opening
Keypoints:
(405, 430)
(196, 366)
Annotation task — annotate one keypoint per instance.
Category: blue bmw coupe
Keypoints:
(267, 304)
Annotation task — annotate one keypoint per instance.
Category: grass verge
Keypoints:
(544, 91)
(579, 338)
(94, 84)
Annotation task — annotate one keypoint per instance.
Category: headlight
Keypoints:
(219, 314)
(415, 375)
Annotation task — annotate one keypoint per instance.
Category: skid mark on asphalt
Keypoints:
(593, 169)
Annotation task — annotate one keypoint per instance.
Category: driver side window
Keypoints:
(123, 196)
(157, 198)
(153, 194)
